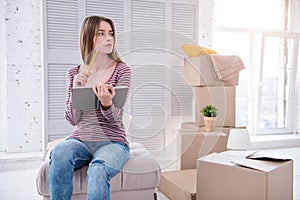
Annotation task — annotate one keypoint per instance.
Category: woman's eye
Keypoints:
(100, 34)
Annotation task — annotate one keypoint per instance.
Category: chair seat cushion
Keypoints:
(140, 172)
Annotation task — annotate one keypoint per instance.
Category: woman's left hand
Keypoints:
(105, 94)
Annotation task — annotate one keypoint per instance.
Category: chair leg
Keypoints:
(155, 196)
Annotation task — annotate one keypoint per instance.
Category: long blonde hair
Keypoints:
(87, 35)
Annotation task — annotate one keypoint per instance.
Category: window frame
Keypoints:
(289, 27)
(291, 116)
(254, 93)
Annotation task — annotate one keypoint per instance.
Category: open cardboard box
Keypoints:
(244, 175)
(198, 71)
(179, 185)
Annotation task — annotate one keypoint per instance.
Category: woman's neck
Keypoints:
(102, 62)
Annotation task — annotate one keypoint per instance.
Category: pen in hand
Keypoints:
(92, 62)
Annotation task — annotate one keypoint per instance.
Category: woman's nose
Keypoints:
(108, 37)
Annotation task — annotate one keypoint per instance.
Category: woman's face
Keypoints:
(104, 38)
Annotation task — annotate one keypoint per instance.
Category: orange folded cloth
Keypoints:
(226, 66)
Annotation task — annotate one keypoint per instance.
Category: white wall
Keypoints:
(206, 8)
(3, 135)
(21, 69)
(296, 27)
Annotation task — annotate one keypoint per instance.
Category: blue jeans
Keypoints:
(105, 160)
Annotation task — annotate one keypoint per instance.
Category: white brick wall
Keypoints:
(206, 8)
(2, 79)
(23, 78)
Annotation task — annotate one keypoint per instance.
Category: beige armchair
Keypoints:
(139, 177)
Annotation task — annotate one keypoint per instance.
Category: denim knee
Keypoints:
(98, 168)
(59, 154)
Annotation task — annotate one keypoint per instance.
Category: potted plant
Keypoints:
(210, 113)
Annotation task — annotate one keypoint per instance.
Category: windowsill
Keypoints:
(20, 156)
(20, 160)
(275, 141)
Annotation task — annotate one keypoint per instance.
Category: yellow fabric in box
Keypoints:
(196, 50)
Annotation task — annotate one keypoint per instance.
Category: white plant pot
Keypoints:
(209, 123)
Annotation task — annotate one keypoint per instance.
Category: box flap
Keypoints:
(267, 156)
(255, 164)
(240, 154)
(183, 179)
(250, 159)
(219, 158)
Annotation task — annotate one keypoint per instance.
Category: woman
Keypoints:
(99, 138)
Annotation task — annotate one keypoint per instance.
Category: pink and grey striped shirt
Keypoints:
(98, 125)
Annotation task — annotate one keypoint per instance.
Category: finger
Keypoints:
(82, 81)
(95, 90)
(111, 90)
(107, 90)
(85, 74)
(100, 90)
(78, 82)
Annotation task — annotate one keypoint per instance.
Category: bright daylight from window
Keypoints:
(255, 30)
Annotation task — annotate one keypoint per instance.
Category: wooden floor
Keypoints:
(17, 182)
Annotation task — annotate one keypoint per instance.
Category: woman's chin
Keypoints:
(107, 50)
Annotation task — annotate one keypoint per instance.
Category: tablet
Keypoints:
(84, 97)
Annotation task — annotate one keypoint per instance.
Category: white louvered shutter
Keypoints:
(61, 26)
(149, 35)
(185, 31)
(112, 9)
(148, 101)
(159, 92)
(62, 22)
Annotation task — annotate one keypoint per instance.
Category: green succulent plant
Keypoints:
(209, 111)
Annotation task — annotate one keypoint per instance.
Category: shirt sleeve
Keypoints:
(72, 115)
(113, 113)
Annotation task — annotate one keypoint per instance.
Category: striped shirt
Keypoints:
(98, 125)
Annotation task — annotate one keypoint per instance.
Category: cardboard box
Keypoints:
(195, 144)
(221, 97)
(179, 185)
(231, 175)
(198, 71)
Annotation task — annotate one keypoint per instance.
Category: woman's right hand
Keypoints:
(80, 79)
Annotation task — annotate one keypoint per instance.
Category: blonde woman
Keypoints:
(99, 138)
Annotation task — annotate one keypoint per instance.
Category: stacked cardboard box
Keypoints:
(194, 141)
(228, 174)
(199, 73)
(193, 144)
(179, 185)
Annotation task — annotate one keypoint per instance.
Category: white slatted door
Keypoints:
(61, 26)
(148, 100)
(184, 23)
(149, 35)
(159, 93)
(62, 23)
(112, 9)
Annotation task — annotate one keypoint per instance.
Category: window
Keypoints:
(258, 32)
(275, 99)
